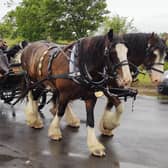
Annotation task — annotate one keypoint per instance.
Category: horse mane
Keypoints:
(91, 51)
(137, 42)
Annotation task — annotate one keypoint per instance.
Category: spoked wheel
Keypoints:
(7, 95)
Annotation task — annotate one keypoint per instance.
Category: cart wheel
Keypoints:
(8, 96)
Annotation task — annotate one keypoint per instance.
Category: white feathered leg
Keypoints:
(71, 118)
(54, 131)
(95, 147)
(33, 118)
(110, 120)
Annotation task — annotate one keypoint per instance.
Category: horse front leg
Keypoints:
(111, 120)
(95, 147)
(54, 131)
(33, 118)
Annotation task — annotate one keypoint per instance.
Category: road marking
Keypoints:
(77, 155)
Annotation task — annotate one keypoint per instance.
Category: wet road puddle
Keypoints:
(6, 158)
(132, 165)
(8, 155)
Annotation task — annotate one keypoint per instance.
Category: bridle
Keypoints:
(113, 67)
(108, 73)
(122, 63)
(149, 52)
(84, 78)
(109, 70)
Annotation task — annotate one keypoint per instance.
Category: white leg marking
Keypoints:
(33, 118)
(95, 147)
(110, 120)
(54, 131)
(71, 118)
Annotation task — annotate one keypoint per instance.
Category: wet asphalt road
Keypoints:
(139, 142)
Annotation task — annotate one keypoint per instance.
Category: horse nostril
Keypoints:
(126, 82)
(156, 81)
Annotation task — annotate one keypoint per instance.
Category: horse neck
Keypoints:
(137, 44)
(91, 52)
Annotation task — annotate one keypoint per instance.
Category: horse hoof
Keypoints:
(55, 134)
(99, 153)
(104, 130)
(55, 137)
(74, 123)
(36, 124)
(97, 149)
(107, 132)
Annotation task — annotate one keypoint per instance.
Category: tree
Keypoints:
(8, 26)
(28, 17)
(76, 16)
(119, 24)
(57, 19)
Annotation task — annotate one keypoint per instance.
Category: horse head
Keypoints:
(107, 56)
(16, 50)
(116, 52)
(155, 56)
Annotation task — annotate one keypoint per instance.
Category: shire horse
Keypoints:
(100, 59)
(146, 49)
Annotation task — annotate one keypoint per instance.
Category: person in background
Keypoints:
(4, 64)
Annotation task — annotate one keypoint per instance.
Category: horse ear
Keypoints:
(153, 38)
(110, 35)
(153, 34)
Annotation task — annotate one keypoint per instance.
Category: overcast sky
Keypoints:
(148, 15)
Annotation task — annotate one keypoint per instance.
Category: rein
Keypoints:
(82, 77)
(108, 62)
(149, 67)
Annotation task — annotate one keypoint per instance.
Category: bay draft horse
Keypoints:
(99, 59)
(146, 49)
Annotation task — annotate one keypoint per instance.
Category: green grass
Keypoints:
(11, 42)
(144, 79)
(145, 86)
